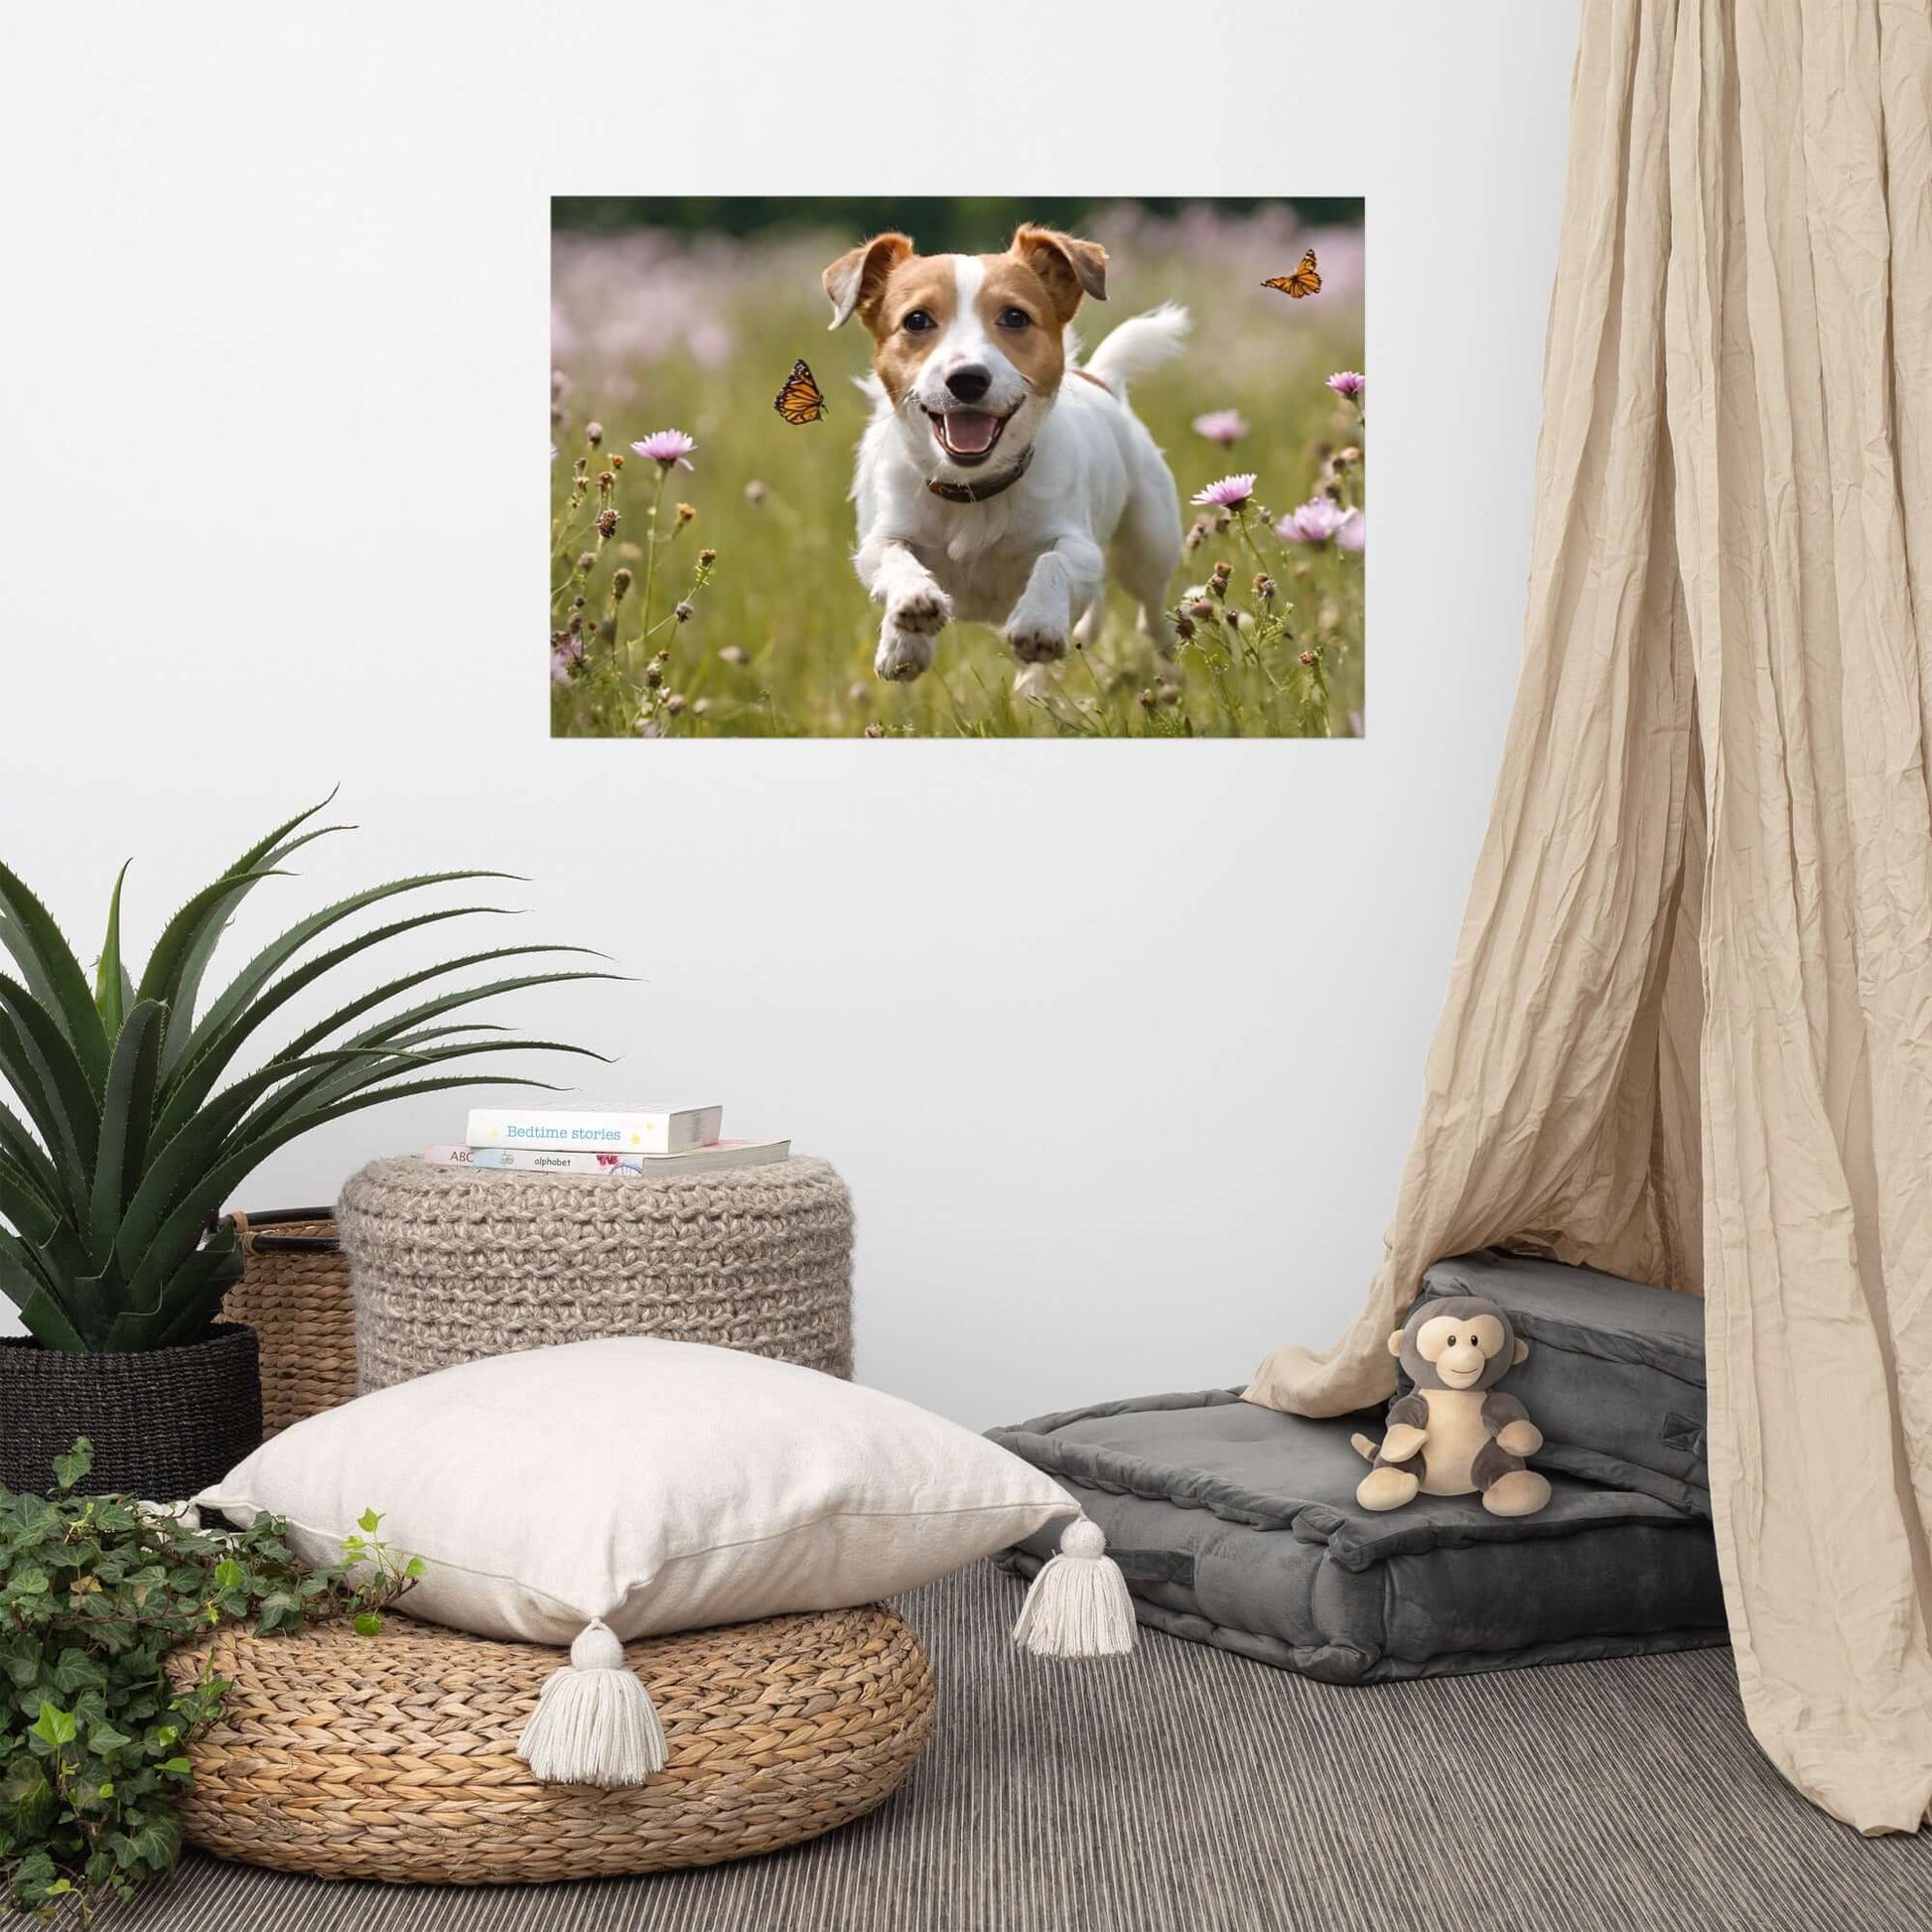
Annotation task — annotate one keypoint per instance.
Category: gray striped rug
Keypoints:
(1188, 1790)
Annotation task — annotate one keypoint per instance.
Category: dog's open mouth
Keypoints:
(967, 436)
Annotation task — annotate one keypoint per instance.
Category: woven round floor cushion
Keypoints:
(393, 1756)
(451, 1264)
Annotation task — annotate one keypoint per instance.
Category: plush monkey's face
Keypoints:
(1456, 1342)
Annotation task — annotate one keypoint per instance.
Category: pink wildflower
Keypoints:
(666, 446)
(1222, 426)
(1227, 493)
(1315, 522)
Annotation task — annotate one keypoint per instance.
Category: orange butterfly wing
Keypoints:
(1304, 281)
(801, 401)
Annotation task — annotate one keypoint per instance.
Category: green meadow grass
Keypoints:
(779, 636)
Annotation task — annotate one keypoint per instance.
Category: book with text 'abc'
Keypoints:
(534, 1160)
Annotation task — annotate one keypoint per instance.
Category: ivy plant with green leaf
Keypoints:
(129, 1124)
(96, 1592)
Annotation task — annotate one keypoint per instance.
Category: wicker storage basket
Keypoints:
(394, 1757)
(456, 1263)
(164, 1421)
(295, 1293)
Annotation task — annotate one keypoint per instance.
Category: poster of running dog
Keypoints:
(957, 469)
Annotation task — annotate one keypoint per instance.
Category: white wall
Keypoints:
(1118, 1044)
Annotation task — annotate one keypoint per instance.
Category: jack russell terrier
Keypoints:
(997, 479)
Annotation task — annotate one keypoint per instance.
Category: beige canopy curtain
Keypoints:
(1688, 1030)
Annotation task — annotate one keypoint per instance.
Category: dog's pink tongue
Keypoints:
(970, 432)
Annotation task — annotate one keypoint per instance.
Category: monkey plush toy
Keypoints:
(1456, 1433)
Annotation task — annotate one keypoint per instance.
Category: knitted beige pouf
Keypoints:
(451, 1264)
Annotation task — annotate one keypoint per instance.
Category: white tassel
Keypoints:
(594, 1722)
(1078, 1605)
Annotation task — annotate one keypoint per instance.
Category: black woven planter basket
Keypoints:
(164, 1421)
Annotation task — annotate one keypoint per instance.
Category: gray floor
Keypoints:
(1190, 1790)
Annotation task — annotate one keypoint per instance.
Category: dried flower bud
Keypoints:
(857, 692)
(707, 558)
(685, 513)
(592, 434)
(620, 582)
(575, 602)
(1346, 458)
(605, 480)
(874, 730)
(1201, 610)
(654, 676)
(607, 523)
(617, 461)
(1265, 586)
(648, 728)
(733, 654)
(586, 560)
(701, 707)
(673, 701)
(1307, 658)
(1183, 624)
(682, 611)
(754, 493)
(1145, 699)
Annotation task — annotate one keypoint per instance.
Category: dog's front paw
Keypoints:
(902, 654)
(1036, 638)
(921, 611)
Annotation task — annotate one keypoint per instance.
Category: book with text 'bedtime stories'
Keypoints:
(596, 1130)
(533, 1159)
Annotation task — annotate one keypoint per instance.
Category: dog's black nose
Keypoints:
(969, 382)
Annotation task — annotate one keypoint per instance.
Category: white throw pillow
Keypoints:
(643, 1485)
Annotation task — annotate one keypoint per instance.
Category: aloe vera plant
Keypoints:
(130, 1123)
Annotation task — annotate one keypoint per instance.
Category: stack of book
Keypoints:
(597, 1138)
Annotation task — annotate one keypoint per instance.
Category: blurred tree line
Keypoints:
(940, 225)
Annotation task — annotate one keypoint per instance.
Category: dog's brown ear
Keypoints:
(857, 278)
(1068, 266)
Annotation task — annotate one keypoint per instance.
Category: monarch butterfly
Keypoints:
(1304, 281)
(801, 401)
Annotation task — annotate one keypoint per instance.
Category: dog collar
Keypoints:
(977, 493)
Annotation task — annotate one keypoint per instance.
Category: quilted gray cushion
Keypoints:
(1616, 1372)
(1238, 1526)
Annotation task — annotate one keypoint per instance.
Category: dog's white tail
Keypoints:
(1140, 344)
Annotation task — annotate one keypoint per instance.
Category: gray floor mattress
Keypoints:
(1237, 1526)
